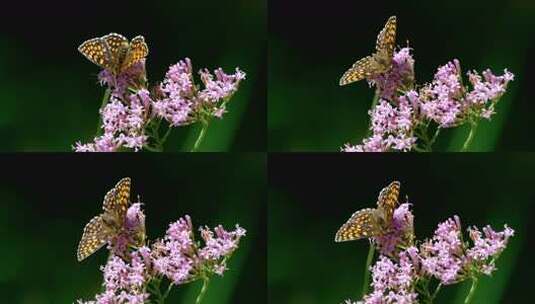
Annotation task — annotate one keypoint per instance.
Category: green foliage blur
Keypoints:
(311, 196)
(49, 92)
(311, 44)
(48, 199)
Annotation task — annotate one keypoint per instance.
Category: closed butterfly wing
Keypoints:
(94, 237)
(361, 69)
(388, 200)
(117, 200)
(386, 40)
(96, 50)
(138, 50)
(362, 224)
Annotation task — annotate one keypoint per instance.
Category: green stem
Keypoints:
(105, 99)
(468, 141)
(437, 132)
(472, 291)
(366, 279)
(167, 291)
(205, 282)
(201, 136)
(164, 138)
(436, 291)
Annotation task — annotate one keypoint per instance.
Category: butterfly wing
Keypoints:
(388, 200)
(138, 50)
(362, 224)
(386, 40)
(361, 69)
(115, 42)
(96, 50)
(117, 199)
(94, 237)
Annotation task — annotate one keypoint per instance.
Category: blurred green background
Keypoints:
(311, 196)
(311, 44)
(47, 200)
(49, 92)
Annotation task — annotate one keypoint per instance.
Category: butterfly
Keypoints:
(370, 222)
(103, 227)
(377, 63)
(114, 52)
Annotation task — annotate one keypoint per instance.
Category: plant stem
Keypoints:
(200, 138)
(205, 282)
(366, 279)
(468, 141)
(472, 291)
(105, 99)
(167, 291)
(436, 291)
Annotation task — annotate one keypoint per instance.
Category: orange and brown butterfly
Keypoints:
(114, 52)
(377, 63)
(371, 222)
(109, 223)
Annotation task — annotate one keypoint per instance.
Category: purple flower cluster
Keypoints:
(184, 104)
(177, 257)
(401, 73)
(391, 128)
(132, 109)
(400, 231)
(392, 282)
(123, 124)
(448, 103)
(403, 111)
(444, 257)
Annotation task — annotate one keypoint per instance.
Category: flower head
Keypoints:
(401, 72)
(392, 282)
(400, 232)
(391, 128)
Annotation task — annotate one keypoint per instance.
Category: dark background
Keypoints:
(49, 92)
(312, 43)
(47, 200)
(311, 196)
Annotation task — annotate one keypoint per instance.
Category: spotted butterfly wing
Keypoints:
(138, 50)
(361, 69)
(116, 42)
(362, 224)
(94, 236)
(119, 199)
(388, 200)
(96, 50)
(386, 40)
(377, 63)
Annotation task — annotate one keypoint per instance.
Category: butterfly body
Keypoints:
(114, 52)
(379, 62)
(371, 222)
(105, 226)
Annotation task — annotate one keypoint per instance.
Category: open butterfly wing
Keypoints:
(362, 224)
